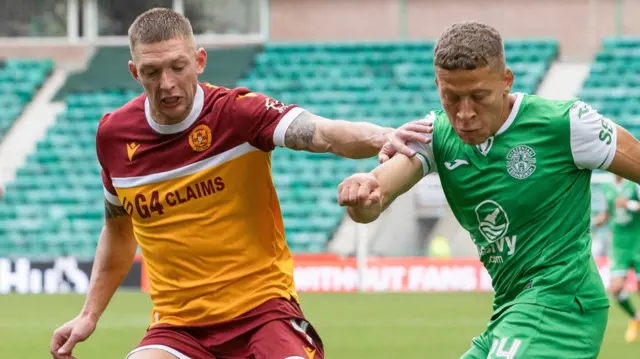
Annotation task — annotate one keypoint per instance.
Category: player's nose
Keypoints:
(167, 81)
(465, 120)
(466, 112)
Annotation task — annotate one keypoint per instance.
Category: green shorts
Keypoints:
(623, 259)
(534, 331)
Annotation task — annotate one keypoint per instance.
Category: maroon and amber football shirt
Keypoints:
(202, 201)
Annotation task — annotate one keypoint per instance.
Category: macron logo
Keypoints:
(457, 163)
(131, 149)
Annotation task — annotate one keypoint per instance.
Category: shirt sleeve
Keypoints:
(265, 119)
(110, 193)
(424, 151)
(593, 137)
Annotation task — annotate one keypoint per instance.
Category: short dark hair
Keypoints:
(469, 45)
(158, 24)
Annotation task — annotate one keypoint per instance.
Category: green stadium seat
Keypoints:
(19, 80)
(613, 86)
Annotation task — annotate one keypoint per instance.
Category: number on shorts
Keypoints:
(499, 350)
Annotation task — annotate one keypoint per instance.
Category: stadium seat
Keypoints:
(55, 204)
(19, 81)
(613, 84)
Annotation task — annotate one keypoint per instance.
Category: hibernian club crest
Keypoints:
(521, 162)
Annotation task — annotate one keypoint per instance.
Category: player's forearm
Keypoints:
(347, 139)
(354, 139)
(364, 215)
(397, 176)
(626, 162)
(113, 260)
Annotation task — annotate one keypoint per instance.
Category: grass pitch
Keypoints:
(352, 325)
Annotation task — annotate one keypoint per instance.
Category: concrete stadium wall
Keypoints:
(578, 24)
(69, 56)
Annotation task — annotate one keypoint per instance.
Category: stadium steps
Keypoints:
(34, 117)
(563, 80)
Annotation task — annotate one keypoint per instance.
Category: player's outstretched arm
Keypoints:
(113, 260)
(367, 195)
(314, 133)
(626, 161)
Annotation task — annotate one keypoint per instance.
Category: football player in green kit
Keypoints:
(622, 200)
(516, 171)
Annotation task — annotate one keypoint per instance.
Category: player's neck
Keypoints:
(506, 111)
(160, 119)
(508, 107)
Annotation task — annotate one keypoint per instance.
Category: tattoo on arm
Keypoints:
(113, 211)
(300, 133)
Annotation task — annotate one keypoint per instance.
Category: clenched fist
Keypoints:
(362, 195)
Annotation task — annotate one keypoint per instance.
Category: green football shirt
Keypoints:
(525, 197)
(624, 221)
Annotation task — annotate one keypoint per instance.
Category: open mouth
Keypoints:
(171, 101)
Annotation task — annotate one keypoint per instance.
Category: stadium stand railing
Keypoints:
(55, 204)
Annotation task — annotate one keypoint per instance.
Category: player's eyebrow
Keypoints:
(149, 66)
(481, 92)
(181, 58)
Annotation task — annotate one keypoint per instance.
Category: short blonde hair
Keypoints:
(157, 25)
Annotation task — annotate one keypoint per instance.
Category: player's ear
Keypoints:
(508, 80)
(201, 60)
(133, 70)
